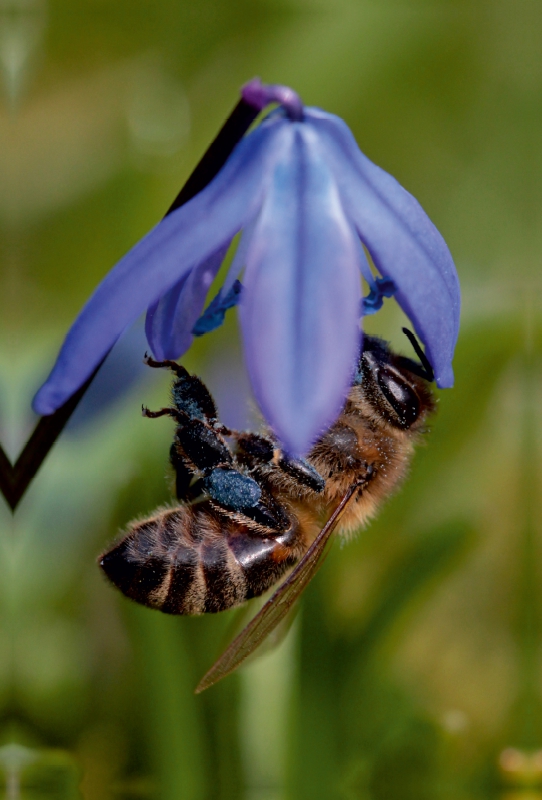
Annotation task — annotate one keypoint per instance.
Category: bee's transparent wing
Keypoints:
(278, 605)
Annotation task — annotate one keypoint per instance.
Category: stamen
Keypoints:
(214, 314)
(383, 287)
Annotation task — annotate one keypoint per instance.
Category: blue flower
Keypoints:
(309, 205)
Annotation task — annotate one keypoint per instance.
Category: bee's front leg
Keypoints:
(178, 369)
(178, 416)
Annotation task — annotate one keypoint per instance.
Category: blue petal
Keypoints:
(365, 267)
(122, 370)
(403, 242)
(160, 319)
(240, 257)
(170, 322)
(188, 236)
(300, 303)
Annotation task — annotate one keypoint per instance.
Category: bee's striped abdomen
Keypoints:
(193, 559)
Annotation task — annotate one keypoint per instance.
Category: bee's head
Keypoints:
(396, 386)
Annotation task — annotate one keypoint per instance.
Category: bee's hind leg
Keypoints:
(186, 487)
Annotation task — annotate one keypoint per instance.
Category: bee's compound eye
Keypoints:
(401, 397)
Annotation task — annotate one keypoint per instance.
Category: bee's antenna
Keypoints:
(428, 369)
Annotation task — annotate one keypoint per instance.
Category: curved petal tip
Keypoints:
(445, 378)
(42, 403)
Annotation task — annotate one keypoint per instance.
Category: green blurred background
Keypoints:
(413, 668)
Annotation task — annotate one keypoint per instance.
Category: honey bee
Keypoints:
(249, 512)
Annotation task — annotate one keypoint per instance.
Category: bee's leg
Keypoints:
(154, 414)
(261, 450)
(234, 491)
(202, 445)
(301, 471)
(178, 369)
(177, 415)
(186, 488)
(198, 443)
(190, 395)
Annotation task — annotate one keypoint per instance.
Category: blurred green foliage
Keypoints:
(413, 669)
